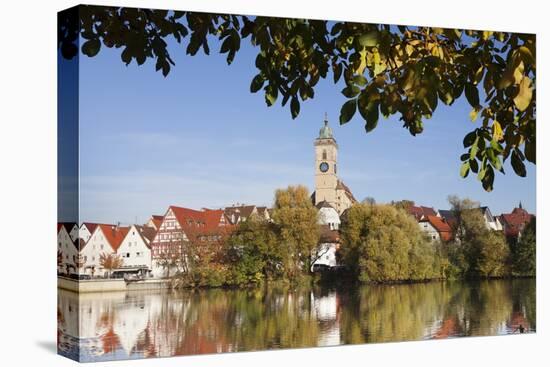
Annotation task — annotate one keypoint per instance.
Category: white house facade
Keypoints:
(135, 249)
(329, 222)
(67, 249)
(85, 231)
(104, 240)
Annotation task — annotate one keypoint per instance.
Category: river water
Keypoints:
(142, 324)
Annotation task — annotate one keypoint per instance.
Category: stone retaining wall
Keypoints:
(110, 285)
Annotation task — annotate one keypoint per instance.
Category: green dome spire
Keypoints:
(326, 131)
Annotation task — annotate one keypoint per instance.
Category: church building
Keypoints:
(328, 187)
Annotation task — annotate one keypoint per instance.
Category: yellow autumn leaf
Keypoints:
(525, 94)
(363, 63)
(497, 131)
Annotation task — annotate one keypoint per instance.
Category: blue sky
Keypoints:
(199, 138)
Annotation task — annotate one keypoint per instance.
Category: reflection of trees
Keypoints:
(391, 313)
(437, 310)
(219, 320)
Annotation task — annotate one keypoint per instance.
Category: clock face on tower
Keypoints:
(323, 167)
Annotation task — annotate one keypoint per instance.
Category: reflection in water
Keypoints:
(158, 324)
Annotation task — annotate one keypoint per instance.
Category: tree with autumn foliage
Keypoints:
(296, 220)
(254, 253)
(524, 251)
(383, 243)
(387, 70)
(110, 262)
(477, 251)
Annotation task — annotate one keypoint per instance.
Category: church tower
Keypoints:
(329, 189)
(326, 154)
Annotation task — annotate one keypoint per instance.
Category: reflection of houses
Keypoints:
(135, 249)
(436, 228)
(329, 242)
(514, 223)
(67, 248)
(105, 239)
(130, 321)
(326, 309)
(449, 327)
(518, 321)
(181, 226)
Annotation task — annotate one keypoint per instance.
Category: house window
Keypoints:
(324, 154)
(101, 247)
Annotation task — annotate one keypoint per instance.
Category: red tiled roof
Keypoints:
(91, 226)
(157, 220)
(515, 222)
(114, 234)
(327, 235)
(147, 233)
(421, 211)
(195, 222)
(442, 227)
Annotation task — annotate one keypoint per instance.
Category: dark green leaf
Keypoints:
(348, 110)
(469, 138)
(294, 107)
(517, 165)
(91, 48)
(488, 179)
(351, 91)
(257, 83)
(370, 114)
(474, 165)
(472, 95)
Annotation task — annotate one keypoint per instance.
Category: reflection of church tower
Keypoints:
(327, 185)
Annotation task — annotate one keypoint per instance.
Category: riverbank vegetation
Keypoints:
(379, 243)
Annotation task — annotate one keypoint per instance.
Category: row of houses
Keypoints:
(438, 224)
(143, 249)
(147, 249)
